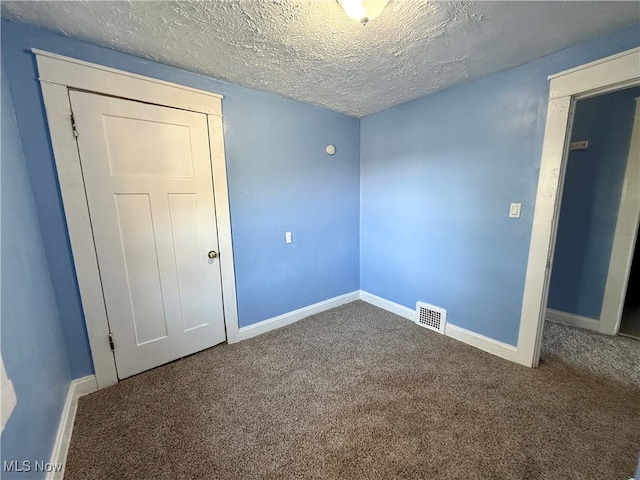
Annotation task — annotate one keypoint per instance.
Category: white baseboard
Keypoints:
(77, 388)
(388, 305)
(495, 347)
(575, 321)
(291, 317)
(503, 350)
(500, 349)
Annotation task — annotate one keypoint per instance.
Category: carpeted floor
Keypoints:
(357, 393)
(614, 357)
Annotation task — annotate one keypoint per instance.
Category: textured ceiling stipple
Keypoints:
(311, 51)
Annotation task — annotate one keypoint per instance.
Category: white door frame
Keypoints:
(595, 78)
(622, 248)
(57, 74)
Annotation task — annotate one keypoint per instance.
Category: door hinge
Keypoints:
(111, 344)
(73, 126)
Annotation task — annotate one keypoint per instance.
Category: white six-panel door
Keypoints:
(148, 179)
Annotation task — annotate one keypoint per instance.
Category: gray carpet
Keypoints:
(357, 393)
(602, 355)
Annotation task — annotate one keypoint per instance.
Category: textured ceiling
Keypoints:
(311, 51)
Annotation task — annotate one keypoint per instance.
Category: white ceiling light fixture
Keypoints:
(363, 10)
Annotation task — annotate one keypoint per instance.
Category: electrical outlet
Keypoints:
(514, 210)
(287, 237)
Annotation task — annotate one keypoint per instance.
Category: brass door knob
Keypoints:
(212, 254)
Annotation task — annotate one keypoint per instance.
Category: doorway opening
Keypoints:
(607, 75)
(591, 265)
(599, 212)
(630, 324)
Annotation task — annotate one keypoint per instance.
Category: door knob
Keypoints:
(212, 254)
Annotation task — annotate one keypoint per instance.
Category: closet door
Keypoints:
(148, 180)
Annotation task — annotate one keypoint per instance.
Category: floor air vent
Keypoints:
(433, 318)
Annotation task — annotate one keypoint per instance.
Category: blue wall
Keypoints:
(279, 180)
(413, 206)
(590, 203)
(437, 177)
(32, 345)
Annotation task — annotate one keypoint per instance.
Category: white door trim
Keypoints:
(605, 75)
(70, 72)
(624, 239)
(57, 74)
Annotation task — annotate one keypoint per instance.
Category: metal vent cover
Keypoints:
(431, 317)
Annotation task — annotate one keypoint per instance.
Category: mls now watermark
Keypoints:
(29, 466)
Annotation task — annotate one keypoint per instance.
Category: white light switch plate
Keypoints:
(514, 210)
(287, 237)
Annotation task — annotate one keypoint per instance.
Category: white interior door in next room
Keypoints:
(148, 179)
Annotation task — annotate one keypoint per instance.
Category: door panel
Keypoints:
(148, 179)
(183, 210)
(147, 156)
(137, 240)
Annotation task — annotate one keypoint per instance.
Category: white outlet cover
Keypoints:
(514, 210)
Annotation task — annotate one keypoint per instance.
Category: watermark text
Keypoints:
(20, 466)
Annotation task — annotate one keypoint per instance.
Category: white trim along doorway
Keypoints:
(622, 249)
(59, 74)
(566, 88)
